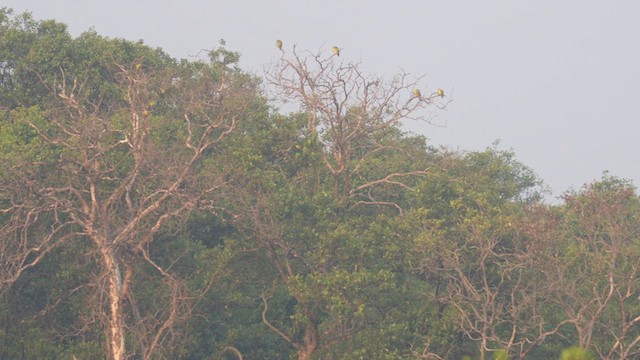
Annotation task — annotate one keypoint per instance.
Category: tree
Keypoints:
(588, 255)
(312, 204)
(348, 114)
(116, 168)
(471, 248)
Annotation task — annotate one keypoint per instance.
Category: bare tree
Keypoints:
(117, 174)
(345, 110)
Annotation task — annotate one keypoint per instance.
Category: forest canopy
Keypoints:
(162, 208)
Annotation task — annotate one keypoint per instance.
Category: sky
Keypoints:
(557, 82)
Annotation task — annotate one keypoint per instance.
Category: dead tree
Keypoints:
(346, 111)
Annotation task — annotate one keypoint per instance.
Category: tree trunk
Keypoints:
(114, 295)
(304, 353)
(310, 341)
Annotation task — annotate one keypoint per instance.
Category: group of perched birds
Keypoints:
(336, 51)
(418, 94)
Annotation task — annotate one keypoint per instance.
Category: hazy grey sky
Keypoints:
(557, 81)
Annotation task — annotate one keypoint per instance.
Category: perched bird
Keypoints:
(279, 44)
(416, 93)
(440, 92)
(336, 50)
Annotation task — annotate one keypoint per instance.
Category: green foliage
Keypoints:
(576, 353)
(460, 251)
(45, 314)
(20, 144)
(500, 355)
(222, 58)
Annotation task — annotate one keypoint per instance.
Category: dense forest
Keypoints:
(162, 208)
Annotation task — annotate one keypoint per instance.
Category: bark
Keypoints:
(115, 295)
(310, 341)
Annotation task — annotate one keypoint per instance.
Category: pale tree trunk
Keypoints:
(115, 294)
(482, 351)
